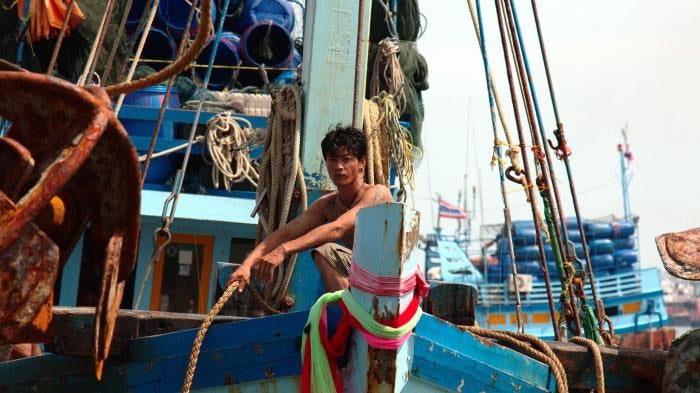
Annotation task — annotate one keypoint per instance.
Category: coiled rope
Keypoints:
(227, 144)
(280, 174)
(531, 346)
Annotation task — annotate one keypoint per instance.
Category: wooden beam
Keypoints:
(70, 327)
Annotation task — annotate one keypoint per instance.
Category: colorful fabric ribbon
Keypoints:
(319, 354)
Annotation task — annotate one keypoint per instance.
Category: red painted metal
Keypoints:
(69, 163)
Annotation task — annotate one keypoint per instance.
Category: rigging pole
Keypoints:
(625, 158)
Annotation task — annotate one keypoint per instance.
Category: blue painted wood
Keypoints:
(142, 261)
(502, 359)
(222, 249)
(462, 371)
(179, 115)
(201, 208)
(70, 276)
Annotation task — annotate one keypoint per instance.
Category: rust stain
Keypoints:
(382, 368)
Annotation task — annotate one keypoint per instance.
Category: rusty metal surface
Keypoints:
(682, 371)
(84, 171)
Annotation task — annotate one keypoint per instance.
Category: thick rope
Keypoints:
(194, 355)
(597, 359)
(178, 65)
(137, 55)
(97, 44)
(227, 145)
(280, 173)
(387, 74)
(378, 146)
(531, 346)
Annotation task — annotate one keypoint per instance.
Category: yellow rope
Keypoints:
(597, 359)
(401, 145)
(194, 355)
(377, 144)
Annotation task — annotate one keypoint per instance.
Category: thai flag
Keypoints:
(448, 210)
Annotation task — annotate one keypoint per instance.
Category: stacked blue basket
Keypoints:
(611, 246)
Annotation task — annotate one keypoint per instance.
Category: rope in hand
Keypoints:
(531, 346)
(227, 144)
(387, 74)
(194, 355)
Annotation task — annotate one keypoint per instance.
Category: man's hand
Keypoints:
(241, 275)
(265, 268)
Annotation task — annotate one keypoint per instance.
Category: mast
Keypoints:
(625, 158)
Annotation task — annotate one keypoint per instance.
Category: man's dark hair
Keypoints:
(344, 136)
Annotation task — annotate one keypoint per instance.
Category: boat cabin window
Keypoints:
(181, 276)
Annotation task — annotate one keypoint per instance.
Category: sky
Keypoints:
(613, 63)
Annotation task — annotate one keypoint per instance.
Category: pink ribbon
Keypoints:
(364, 280)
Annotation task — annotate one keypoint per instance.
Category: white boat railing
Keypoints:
(619, 285)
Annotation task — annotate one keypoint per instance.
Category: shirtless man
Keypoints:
(331, 218)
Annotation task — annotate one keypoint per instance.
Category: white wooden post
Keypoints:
(385, 236)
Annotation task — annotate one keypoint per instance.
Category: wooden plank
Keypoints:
(626, 370)
(70, 327)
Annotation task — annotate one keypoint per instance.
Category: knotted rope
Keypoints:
(227, 144)
(387, 74)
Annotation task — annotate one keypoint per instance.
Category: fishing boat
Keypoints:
(171, 238)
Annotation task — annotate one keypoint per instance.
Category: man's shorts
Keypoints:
(338, 257)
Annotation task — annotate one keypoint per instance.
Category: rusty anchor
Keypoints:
(68, 168)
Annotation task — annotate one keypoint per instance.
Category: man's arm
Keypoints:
(308, 220)
(341, 227)
(311, 218)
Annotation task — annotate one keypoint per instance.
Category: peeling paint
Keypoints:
(460, 386)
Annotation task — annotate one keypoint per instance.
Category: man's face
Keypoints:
(344, 167)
